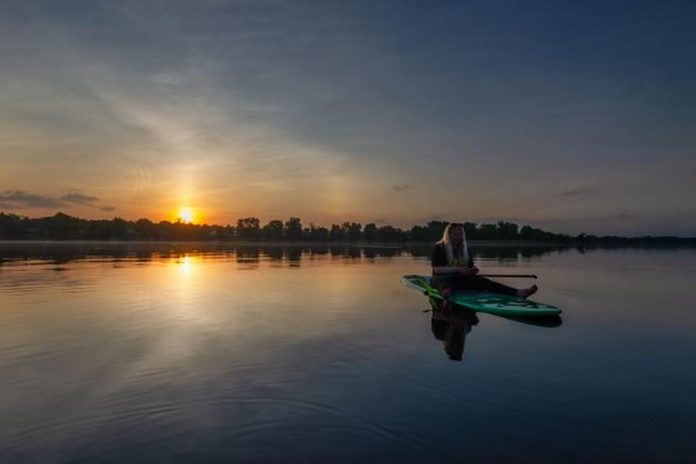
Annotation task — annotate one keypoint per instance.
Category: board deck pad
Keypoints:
(485, 302)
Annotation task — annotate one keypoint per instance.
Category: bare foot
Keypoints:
(527, 292)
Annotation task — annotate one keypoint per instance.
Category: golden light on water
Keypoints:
(185, 265)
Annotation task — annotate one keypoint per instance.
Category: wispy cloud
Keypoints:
(263, 112)
(80, 199)
(20, 198)
(575, 192)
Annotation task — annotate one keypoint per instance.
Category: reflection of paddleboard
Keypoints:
(459, 312)
(484, 302)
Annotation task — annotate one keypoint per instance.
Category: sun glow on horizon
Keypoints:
(186, 215)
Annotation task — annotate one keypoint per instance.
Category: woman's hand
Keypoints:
(468, 271)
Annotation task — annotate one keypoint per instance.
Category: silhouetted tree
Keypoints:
(11, 227)
(507, 231)
(146, 229)
(488, 232)
(471, 231)
(273, 230)
(431, 232)
(390, 234)
(64, 227)
(293, 228)
(370, 232)
(337, 233)
(436, 229)
(319, 234)
(248, 228)
(352, 231)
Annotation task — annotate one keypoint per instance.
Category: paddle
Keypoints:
(526, 276)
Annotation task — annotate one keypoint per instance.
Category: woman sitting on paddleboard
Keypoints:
(453, 268)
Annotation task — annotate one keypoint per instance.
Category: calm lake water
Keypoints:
(213, 353)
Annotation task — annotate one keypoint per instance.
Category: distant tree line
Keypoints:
(64, 227)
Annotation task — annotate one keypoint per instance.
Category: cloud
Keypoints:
(401, 187)
(575, 192)
(80, 199)
(20, 198)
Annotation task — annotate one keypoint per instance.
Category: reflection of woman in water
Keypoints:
(452, 327)
(453, 268)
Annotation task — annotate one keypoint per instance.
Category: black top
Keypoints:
(439, 257)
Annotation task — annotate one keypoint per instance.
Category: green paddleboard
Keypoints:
(484, 302)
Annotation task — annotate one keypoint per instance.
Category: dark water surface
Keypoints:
(209, 353)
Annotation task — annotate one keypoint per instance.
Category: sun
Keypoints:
(186, 215)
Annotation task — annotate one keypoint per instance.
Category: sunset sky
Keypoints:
(573, 116)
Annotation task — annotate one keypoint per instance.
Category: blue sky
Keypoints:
(571, 116)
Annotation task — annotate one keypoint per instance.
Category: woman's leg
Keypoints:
(483, 284)
(495, 287)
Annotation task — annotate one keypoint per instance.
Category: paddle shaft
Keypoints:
(526, 276)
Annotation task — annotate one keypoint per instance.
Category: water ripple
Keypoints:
(359, 423)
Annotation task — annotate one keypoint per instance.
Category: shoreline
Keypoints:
(620, 242)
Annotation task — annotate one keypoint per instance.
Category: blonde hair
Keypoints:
(463, 255)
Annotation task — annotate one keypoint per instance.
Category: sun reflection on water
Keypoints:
(186, 264)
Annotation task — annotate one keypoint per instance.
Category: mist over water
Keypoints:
(183, 352)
